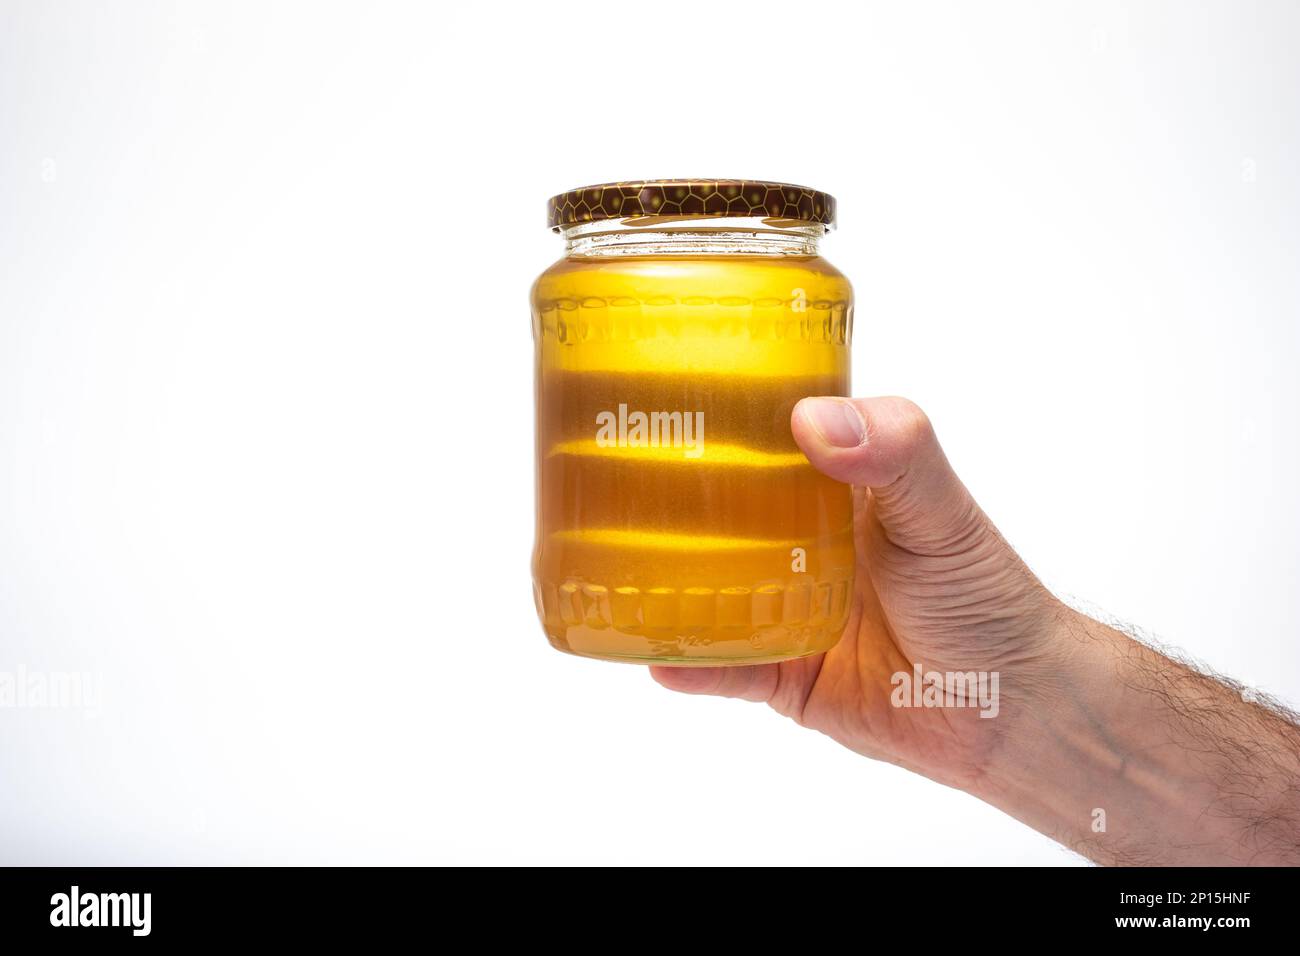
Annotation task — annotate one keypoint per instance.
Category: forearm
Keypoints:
(1133, 758)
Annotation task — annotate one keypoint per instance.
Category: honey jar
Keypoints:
(677, 520)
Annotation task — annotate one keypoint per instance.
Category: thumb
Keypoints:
(889, 446)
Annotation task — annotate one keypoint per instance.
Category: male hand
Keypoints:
(1086, 718)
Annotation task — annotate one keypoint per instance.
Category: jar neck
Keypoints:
(698, 236)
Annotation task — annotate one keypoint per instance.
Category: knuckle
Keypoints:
(912, 422)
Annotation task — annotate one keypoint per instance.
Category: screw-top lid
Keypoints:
(690, 197)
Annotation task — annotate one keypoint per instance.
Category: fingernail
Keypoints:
(837, 421)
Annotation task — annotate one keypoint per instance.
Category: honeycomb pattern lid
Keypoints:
(690, 197)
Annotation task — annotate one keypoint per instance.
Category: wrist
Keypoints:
(1063, 763)
(1117, 754)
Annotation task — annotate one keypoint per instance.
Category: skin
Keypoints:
(1188, 769)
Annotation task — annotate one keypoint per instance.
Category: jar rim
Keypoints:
(690, 198)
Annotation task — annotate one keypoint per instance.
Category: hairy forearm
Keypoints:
(1134, 758)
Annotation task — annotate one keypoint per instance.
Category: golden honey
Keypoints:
(677, 520)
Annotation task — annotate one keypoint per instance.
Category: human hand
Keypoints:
(1101, 742)
(936, 587)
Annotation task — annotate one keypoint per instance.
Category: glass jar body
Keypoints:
(677, 521)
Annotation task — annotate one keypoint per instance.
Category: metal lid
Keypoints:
(690, 197)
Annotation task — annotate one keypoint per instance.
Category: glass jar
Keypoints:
(677, 520)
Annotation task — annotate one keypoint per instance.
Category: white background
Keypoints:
(266, 386)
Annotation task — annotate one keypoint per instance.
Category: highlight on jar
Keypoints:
(677, 520)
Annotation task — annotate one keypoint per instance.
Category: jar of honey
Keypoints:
(677, 520)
